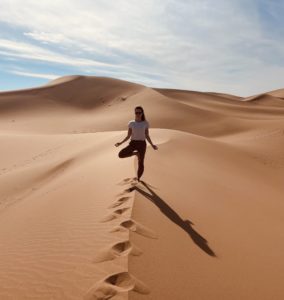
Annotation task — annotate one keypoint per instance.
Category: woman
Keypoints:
(138, 130)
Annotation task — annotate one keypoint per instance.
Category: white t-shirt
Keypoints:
(138, 129)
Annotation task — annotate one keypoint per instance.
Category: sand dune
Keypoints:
(205, 223)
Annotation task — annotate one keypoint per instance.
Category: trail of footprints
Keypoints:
(122, 282)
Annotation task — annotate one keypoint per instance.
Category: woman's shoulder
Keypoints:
(130, 123)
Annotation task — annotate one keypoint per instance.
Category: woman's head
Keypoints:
(139, 113)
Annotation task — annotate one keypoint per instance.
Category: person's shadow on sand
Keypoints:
(186, 225)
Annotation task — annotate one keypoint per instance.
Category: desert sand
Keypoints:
(206, 222)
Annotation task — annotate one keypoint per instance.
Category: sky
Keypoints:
(234, 47)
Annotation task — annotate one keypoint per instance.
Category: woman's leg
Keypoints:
(127, 151)
(141, 150)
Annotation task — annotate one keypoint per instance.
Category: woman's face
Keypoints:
(138, 114)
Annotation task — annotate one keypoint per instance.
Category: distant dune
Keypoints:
(206, 222)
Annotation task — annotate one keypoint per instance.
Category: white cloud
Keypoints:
(36, 75)
(30, 51)
(47, 37)
(14, 49)
(189, 44)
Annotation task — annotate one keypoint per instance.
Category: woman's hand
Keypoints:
(155, 147)
(117, 144)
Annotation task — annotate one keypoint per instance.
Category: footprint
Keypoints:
(119, 229)
(110, 217)
(131, 189)
(117, 250)
(117, 213)
(126, 191)
(126, 181)
(101, 291)
(114, 284)
(132, 182)
(120, 211)
(138, 228)
(119, 202)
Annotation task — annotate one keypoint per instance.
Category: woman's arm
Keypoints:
(149, 139)
(127, 137)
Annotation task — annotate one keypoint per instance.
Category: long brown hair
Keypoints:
(143, 118)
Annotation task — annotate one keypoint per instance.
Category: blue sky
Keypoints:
(234, 46)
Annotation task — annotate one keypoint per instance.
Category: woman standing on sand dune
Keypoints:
(138, 130)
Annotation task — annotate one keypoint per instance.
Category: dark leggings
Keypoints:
(140, 146)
